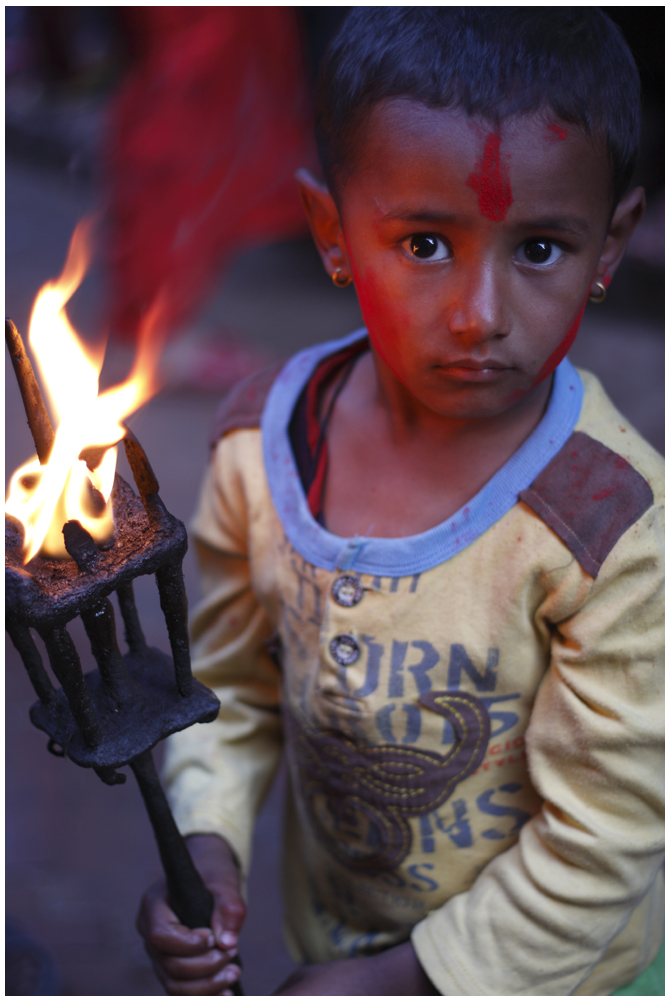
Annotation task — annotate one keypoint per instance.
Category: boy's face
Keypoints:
(473, 252)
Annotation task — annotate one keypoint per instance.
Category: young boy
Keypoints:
(454, 538)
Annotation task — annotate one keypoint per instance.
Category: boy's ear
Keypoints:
(626, 216)
(324, 221)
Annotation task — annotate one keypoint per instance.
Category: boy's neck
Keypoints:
(396, 468)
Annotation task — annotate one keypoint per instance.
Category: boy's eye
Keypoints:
(539, 252)
(427, 247)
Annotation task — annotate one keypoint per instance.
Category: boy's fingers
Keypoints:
(210, 986)
(161, 929)
(203, 967)
(180, 941)
(227, 920)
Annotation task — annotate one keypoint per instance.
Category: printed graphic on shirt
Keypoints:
(405, 670)
(493, 802)
(457, 828)
(360, 797)
(406, 888)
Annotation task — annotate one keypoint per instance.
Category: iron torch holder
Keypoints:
(114, 715)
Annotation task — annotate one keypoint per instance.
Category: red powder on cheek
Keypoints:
(555, 358)
(555, 133)
(379, 311)
(491, 182)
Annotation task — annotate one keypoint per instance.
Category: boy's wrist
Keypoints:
(403, 967)
(395, 972)
(212, 849)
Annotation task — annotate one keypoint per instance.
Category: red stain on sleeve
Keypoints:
(603, 494)
(555, 133)
(491, 182)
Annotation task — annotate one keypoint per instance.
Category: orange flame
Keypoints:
(44, 497)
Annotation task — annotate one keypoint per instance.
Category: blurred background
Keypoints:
(181, 128)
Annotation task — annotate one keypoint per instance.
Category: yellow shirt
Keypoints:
(474, 750)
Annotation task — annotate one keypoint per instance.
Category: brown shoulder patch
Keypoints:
(589, 496)
(242, 408)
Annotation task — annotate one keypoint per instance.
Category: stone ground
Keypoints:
(80, 853)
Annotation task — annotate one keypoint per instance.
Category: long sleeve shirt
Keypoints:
(472, 717)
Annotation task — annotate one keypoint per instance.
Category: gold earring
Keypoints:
(599, 296)
(340, 282)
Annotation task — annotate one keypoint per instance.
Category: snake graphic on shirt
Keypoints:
(360, 797)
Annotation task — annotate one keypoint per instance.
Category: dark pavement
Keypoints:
(80, 853)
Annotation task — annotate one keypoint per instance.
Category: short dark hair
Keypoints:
(493, 62)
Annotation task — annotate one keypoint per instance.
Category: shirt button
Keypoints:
(344, 649)
(347, 591)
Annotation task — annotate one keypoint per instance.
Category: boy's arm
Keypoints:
(395, 972)
(541, 915)
(218, 774)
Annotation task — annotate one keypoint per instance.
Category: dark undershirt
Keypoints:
(308, 428)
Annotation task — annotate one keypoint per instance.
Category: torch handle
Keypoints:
(188, 896)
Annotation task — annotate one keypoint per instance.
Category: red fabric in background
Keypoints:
(211, 124)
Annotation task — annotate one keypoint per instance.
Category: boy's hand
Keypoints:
(197, 962)
(395, 973)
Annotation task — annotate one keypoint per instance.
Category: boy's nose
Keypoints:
(477, 307)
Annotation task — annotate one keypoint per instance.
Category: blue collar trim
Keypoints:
(396, 557)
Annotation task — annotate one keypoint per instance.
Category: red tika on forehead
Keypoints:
(491, 182)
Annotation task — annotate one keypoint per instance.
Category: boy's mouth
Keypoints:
(469, 370)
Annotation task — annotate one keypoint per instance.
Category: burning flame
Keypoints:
(44, 497)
